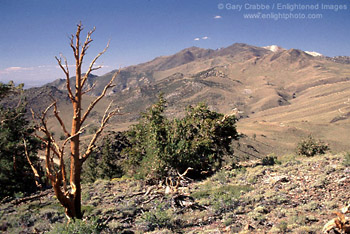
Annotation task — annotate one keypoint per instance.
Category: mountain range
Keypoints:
(279, 95)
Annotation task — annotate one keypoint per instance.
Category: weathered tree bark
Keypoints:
(71, 199)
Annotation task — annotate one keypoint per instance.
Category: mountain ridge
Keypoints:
(286, 86)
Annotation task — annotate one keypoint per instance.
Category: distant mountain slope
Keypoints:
(37, 98)
(340, 59)
(281, 87)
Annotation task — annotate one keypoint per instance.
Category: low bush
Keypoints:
(78, 227)
(310, 147)
(346, 160)
(270, 160)
(282, 226)
(222, 198)
(160, 217)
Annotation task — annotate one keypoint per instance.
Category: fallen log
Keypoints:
(30, 198)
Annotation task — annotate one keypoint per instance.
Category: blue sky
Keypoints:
(34, 31)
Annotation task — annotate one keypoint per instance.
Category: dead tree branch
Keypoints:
(91, 66)
(89, 89)
(93, 103)
(31, 198)
(13, 118)
(35, 171)
(66, 133)
(107, 115)
(66, 72)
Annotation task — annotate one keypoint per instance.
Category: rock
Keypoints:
(248, 227)
(127, 232)
(4, 226)
(276, 179)
(341, 180)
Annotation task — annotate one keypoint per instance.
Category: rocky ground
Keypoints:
(297, 195)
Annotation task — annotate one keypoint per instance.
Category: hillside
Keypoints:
(280, 96)
(296, 196)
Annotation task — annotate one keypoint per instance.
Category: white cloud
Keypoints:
(15, 69)
(201, 38)
(218, 17)
(9, 70)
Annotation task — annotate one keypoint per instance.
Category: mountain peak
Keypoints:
(297, 52)
(192, 48)
(241, 50)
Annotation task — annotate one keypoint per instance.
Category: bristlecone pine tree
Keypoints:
(18, 149)
(71, 198)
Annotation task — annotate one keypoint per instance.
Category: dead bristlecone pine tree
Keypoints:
(69, 193)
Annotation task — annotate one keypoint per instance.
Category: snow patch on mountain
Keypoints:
(274, 48)
(313, 53)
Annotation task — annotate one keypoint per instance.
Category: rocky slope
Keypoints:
(296, 196)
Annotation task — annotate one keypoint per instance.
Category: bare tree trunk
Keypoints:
(75, 164)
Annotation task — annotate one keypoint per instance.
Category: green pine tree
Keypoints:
(15, 172)
(146, 158)
(90, 169)
(159, 146)
(109, 167)
(105, 162)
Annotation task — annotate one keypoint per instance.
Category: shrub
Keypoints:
(159, 145)
(310, 147)
(269, 161)
(222, 198)
(93, 129)
(78, 227)
(346, 160)
(158, 218)
(282, 226)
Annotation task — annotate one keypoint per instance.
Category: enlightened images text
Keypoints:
(282, 6)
